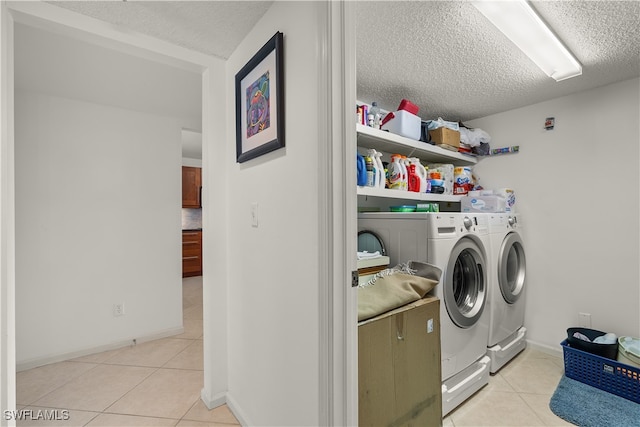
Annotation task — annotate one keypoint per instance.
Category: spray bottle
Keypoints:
(382, 179)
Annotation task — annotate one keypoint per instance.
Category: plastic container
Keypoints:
(482, 204)
(374, 116)
(362, 170)
(371, 172)
(396, 173)
(381, 181)
(610, 351)
(421, 171)
(606, 374)
(403, 208)
(629, 351)
(404, 124)
(510, 198)
(409, 106)
(378, 169)
(404, 163)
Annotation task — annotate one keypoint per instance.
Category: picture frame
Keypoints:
(260, 102)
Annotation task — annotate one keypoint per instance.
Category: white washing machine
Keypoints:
(506, 302)
(458, 244)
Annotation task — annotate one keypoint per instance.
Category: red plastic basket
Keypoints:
(606, 374)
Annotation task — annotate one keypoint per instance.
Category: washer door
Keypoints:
(511, 268)
(464, 283)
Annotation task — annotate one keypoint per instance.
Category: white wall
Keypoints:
(577, 188)
(97, 223)
(273, 270)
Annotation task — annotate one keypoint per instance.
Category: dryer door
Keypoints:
(511, 268)
(464, 283)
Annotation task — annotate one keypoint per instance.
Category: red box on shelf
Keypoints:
(409, 106)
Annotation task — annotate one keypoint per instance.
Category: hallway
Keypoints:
(156, 383)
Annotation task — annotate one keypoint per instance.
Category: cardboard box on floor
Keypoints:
(399, 373)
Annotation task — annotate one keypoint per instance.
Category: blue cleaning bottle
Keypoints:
(362, 171)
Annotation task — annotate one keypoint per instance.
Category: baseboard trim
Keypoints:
(213, 401)
(41, 361)
(237, 412)
(554, 351)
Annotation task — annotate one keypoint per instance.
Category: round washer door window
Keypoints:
(511, 268)
(464, 283)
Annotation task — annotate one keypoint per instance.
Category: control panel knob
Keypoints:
(467, 222)
(512, 221)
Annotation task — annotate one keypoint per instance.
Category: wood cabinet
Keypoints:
(191, 253)
(399, 371)
(191, 187)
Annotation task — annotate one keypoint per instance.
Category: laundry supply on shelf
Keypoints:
(368, 255)
(361, 170)
(402, 123)
(445, 171)
(462, 180)
(374, 116)
(435, 124)
(397, 173)
(474, 137)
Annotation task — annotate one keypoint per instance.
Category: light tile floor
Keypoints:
(517, 395)
(158, 383)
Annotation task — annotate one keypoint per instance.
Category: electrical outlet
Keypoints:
(584, 320)
(118, 309)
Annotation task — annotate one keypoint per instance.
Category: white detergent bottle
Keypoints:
(422, 173)
(371, 153)
(395, 172)
(381, 174)
(404, 162)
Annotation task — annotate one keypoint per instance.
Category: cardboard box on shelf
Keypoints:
(445, 136)
(399, 371)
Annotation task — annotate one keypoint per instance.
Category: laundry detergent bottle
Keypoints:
(405, 172)
(396, 171)
(383, 177)
(379, 180)
(413, 179)
(421, 171)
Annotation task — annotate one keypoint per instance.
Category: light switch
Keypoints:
(254, 214)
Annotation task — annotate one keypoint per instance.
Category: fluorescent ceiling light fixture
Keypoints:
(520, 23)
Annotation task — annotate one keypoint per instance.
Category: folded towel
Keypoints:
(368, 255)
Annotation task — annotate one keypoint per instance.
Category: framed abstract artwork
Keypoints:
(260, 102)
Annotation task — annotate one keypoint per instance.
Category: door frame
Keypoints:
(338, 362)
(338, 221)
(7, 220)
(57, 20)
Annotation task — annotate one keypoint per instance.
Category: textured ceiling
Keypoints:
(447, 58)
(442, 55)
(212, 27)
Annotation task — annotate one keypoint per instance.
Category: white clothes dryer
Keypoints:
(457, 243)
(506, 299)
